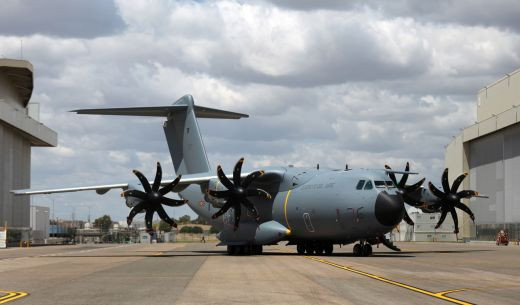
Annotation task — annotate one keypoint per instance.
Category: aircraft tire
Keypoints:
(309, 248)
(358, 250)
(300, 248)
(329, 248)
(319, 249)
(257, 249)
(238, 250)
(230, 250)
(247, 249)
(367, 250)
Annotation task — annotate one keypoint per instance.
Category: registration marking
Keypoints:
(439, 295)
(11, 296)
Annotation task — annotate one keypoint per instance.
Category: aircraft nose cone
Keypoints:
(389, 209)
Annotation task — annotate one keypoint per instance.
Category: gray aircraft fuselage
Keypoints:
(322, 205)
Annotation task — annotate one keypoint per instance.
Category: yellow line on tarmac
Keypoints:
(451, 291)
(438, 295)
(11, 296)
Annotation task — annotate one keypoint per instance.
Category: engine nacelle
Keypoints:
(129, 200)
(215, 185)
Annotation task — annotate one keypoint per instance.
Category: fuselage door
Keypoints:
(308, 223)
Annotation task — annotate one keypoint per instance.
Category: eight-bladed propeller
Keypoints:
(450, 199)
(405, 190)
(237, 192)
(153, 199)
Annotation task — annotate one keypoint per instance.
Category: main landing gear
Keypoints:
(245, 250)
(362, 249)
(314, 247)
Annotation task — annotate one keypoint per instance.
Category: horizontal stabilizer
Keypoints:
(164, 111)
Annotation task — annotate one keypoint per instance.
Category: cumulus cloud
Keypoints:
(329, 82)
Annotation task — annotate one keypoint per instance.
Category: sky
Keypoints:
(364, 83)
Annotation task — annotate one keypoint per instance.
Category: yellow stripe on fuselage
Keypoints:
(285, 208)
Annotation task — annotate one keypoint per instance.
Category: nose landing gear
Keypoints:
(362, 249)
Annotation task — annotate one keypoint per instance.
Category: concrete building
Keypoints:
(490, 151)
(39, 220)
(18, 133)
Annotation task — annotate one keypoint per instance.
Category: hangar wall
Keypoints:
(490, 151)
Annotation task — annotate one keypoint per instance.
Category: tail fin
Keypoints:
(181, 130)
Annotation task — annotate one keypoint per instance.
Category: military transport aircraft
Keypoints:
(311, 208)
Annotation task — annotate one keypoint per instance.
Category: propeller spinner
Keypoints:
(450, 199)
(237, 192)
(153, 199)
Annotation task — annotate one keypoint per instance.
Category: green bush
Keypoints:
(196, 229)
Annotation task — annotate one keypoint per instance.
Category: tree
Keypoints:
(185, 219)
(186, 229)
(163, 226)
(213, 230)
(196, 229)
(104, 222)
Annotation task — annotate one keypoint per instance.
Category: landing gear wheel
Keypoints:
(328, 248)
(238, 250)
(358, 250)
(319, 249)
(247, 249)
(300, 248)
(367, 250)
(257, 249)
(230, 250)
(309, 248)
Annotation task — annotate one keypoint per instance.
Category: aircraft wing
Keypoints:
(102, 189)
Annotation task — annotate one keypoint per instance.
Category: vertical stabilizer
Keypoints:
(184, 139)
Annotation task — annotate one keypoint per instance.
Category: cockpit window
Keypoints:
(368, 185)
(360, 184)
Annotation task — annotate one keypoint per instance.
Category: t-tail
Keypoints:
(181, 130)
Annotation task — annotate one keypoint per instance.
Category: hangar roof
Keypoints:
(20, 73)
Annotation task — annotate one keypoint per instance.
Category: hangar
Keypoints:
(19, 131)
(489, 151)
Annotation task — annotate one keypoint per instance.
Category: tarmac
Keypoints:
(195, 273)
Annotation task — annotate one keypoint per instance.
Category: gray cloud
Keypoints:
(62, 18)
(329, 86)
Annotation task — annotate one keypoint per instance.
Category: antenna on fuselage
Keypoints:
(318, 166)
(346, 167)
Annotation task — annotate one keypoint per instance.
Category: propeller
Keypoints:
(153, 199)
(450, 199)
(406, 190)
(237, 192)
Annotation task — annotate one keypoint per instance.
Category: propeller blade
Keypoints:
(251, 177)
(164, 216)
(404, 178)
(173, 202)
(414, 187)
(407, 218)
(438, 193)
(136, 194)
(259, 193)
(138, 208)
(466, 209)
(144, 181)
(388, 243)
(455, 220)
(251, 207)
(222, 210)
(467, 194)
(445, 182)
(158, 178)
(219, 194)
(238, 210)
(457, 182)
(223, 179)
(391, 175)
(441, 220)
(237, 171)
(148, 218)
(168, 188)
